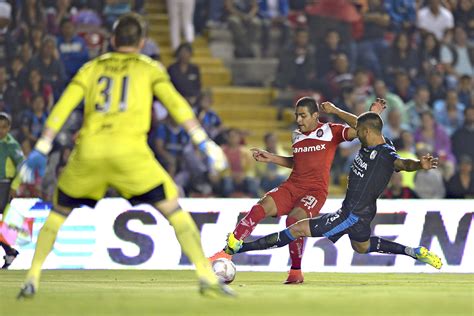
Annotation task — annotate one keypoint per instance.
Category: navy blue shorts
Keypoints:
(335, 225)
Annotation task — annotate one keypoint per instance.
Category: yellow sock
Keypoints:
(190, 240)
(44, 245)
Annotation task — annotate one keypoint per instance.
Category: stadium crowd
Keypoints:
(418, 55)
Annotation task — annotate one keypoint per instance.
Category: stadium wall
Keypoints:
(115, 235)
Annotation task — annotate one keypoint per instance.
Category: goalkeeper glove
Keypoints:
(214, 153)
(36, 161)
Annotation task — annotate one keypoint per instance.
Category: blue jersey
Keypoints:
(370, 173)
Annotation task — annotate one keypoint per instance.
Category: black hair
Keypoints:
(129, 29)
(308, 102)
(183, 46)
(6, 117)
(371, 120)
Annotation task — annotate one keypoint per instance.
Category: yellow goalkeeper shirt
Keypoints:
(117, 89)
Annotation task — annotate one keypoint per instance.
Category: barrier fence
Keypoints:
(115, 235)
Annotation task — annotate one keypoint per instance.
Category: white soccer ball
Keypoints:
(224, 269)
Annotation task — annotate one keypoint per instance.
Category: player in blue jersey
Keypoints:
(370, 173)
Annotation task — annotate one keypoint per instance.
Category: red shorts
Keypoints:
(287, 197)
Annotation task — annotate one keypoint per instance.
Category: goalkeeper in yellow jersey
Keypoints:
(112, 149)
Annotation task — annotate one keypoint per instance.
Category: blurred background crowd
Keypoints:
(418, 55)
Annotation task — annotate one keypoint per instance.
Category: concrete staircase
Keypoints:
(245, 108)
(213, 71)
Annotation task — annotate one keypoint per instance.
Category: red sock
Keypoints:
(296, 247)
(246, 226)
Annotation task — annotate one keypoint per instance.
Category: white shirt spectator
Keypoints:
(435, 24)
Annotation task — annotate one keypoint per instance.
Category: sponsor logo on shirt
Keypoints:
(308, 149)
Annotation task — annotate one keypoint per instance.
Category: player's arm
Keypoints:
(378, 106)
(36, 161)
(182, 113)
(426, 162)
(16, 155)
(265, 156)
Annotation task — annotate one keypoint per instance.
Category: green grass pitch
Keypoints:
(109, 292)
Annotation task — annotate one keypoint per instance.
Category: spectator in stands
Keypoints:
(458, 58)
(86, 17)
(72, 48)
(7, 42)
(31, 15)
(461, 185)
(151, 49)
(464, 17)
(339, 76)
(26, 53)
(36, 39)
(209, 119)
(463, 138)
(274, 14)
(270, 174)
(185, 75)
(402, 15)
(401, 57)
(436, 87)
(393, 100)
(416, 106)
(245, 26)
(215, 12)
(362, 87)
(49, 65)
(372, 46)
(9, 98)
(429, 54)
(170, 141)
(436, 137)
(242, 167)
(396, 190)
(347, 100)
(465, 93)
(429, 184)
(434, 18)
(17, 73)
(403, 87)
(113, 9)
(449, 112)
(33, 119)
(37, 86)
(393, 127)
(196, 177)
(296, 66)
(328, 51)
(56, 12)
(180, 14)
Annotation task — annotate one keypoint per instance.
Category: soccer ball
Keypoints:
(224, 269)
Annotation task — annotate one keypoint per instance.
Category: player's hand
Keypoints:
(34, 164)
(428, 162)
(261, 155)
(378, 106)
(215, 155)
(328, 107)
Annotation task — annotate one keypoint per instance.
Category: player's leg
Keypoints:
(141, 179)
(80, 183)
(307, 207)
(272, 204)
(10, 252)
(190, 240)
(296, 248)
(331, 225)
(381, 245)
